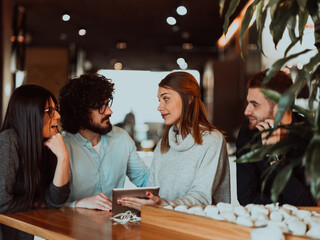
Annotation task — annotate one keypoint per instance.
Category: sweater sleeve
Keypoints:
(9, 165)
(212, 178)
(56, 197)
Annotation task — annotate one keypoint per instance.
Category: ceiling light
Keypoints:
(82, 32)
(185, 35)
(187, 46)
(180, 61)
(118, 66)
(181, 10)
(171, 21)
(66, 17)
(183, 65)
(175, 28)
(121, 45)
(63, 36)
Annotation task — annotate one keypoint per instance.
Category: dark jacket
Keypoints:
(12, 185)
(250, 175)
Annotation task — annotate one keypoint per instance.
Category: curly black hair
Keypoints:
(80, 94)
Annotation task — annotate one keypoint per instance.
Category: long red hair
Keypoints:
(194, 115)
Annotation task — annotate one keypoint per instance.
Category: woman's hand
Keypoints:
(136, 203)
(57, 146)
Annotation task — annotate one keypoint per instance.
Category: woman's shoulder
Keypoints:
(213, 136)
(8, 135)
(9, 141)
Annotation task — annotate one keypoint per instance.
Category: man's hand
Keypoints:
(99, 201)
(136, 203)
(275, 136)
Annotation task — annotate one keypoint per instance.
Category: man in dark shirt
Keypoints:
(261, 113)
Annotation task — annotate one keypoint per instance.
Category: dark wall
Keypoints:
(229, 96)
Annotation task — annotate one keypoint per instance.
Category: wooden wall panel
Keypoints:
(47, 67)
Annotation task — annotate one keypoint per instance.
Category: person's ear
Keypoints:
(275, 109)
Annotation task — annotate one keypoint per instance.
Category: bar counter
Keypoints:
(68, 223)
(157, 223)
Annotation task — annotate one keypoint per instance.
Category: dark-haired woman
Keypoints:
(190, 162)
(34, 165)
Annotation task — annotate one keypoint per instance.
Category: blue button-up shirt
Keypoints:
(91, 174)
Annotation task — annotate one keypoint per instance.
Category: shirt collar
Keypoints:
(86, 142)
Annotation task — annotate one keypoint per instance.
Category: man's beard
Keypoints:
(97, 128)
(252, 126)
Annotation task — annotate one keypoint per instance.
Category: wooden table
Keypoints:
(203, 227)
(68, 223)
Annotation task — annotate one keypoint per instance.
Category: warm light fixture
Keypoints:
(121, 45)
(171, 20)
(118, 66)
(235, 26)
(187, 46)
(182, 10)
(224, 39)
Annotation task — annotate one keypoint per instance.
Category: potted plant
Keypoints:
(288, 14)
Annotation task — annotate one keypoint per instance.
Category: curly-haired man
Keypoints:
(101, 155)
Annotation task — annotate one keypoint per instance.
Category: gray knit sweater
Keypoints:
(11, 184)
(192, 174)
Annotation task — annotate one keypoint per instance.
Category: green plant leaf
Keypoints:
(304, 112)
(302, 4)
(221, 6)
(260, 29)
(288, 97)
(314, 61)
(279, 63)
(273, 3)
(280, 182)
(303, 18)
(282, 178)
(314, 88)
(265, 176)
(313, 8)
(292, 34)
(232, 7)
(259, 11)
(317, 120)
(245, 22)
(312, 163)
(280, 19)
(255, 155)
(291, 28)
(271, 94)
(292, 45)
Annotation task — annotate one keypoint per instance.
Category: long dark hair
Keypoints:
(25, 116)
(194, 116)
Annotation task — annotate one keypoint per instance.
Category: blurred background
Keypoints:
(135, 43)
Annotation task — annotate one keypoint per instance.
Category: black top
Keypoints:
(12, 185)
(250, 176)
